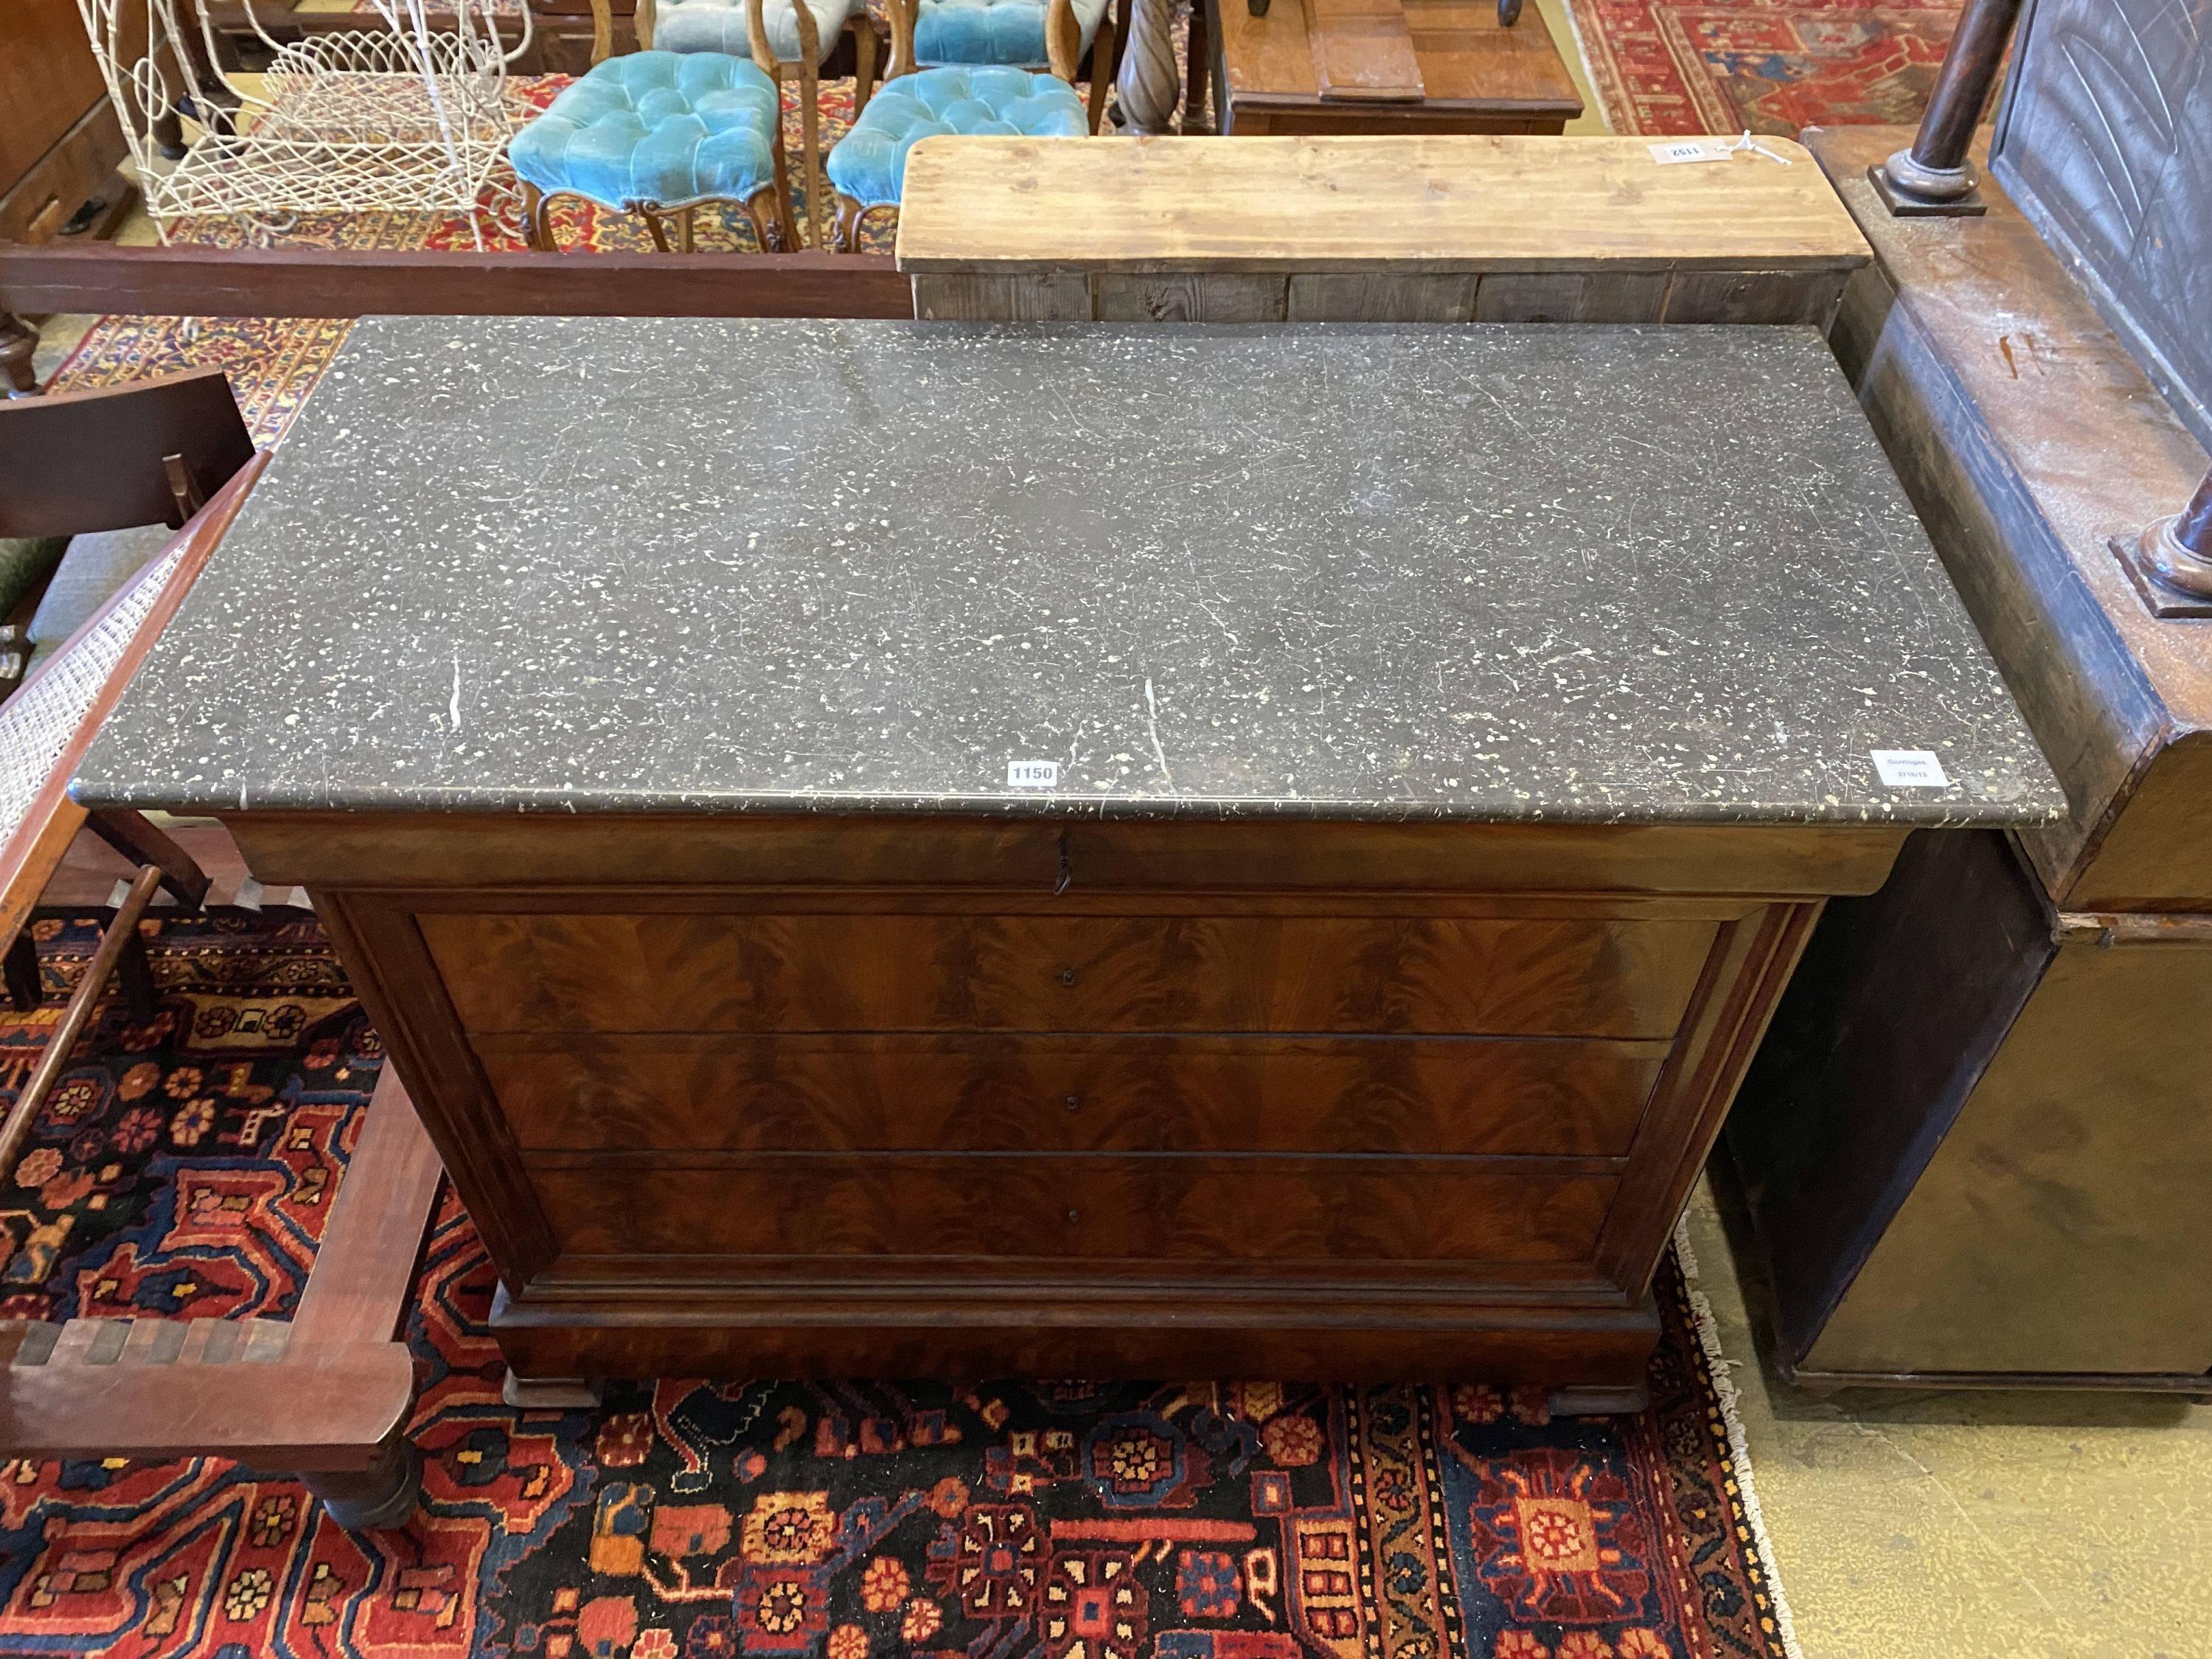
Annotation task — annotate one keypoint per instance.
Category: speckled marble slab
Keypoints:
(1592, 575)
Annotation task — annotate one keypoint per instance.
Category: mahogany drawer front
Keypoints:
(888, 1093)
(1159, 1209)
(843, 971)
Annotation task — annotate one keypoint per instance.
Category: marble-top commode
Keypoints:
(1566, 573)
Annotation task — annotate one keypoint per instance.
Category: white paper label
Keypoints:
(1032, 775)
(1687, 149)
(1910, 768)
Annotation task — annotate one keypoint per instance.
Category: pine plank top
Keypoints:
(1003, 205)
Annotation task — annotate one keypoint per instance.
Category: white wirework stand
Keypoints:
(393, 116)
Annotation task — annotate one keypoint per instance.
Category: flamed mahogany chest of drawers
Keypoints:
(841, 1095)
(890, 849)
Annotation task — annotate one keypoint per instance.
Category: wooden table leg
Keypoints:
(1197, 73)
(19, 343)
(1150, 83)
(382, 1495)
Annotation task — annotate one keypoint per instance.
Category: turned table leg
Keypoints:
(1150, 82)
(19, 343)
(382, 1495)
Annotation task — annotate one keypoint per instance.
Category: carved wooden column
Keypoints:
(19, 343)
(1931, 177)
(1150, 83)
(2171, 562)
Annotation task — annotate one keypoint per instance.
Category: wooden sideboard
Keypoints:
(1462, 71)
(1973, 1151)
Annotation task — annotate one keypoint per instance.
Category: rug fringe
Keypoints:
(1717, 1366)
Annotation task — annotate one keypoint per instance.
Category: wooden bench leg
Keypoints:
(24, 989)
(383, 1495)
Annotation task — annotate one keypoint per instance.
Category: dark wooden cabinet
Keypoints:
(59, 143)
(1976, 1146)
(1311, 1099)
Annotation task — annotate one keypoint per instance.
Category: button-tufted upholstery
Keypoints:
(1010, 32)
(720, 25)
(656, 126)
(869, 166)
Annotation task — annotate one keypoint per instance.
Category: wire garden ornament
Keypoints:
(397, 115)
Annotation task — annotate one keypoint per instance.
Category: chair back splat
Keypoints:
(149, 452)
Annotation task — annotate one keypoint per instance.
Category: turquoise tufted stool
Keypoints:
(1031, 34)
(788, 39)
(868, 168)
(659, 133)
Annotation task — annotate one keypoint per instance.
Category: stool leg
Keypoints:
(24, 987)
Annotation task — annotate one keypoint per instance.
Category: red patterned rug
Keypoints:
(274, 362)
(184, 1168)
(1776, 66)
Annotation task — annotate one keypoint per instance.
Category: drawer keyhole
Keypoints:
(1075, 1215)
(1068, 976)
(1074, 1103)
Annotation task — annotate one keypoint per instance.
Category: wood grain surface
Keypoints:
(1409, 204)
(872, 972)
(1071, 1093)
(1188, 1209)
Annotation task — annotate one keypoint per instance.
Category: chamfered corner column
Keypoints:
(1930, 177)
(1150, 84)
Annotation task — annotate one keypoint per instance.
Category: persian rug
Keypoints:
(1774, 66)
(186, 1167)
(274, 362)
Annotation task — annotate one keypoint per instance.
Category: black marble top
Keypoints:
(1607, 575)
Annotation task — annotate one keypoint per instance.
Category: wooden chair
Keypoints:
(327, 1395)
(784, 38)
(596, 143)
(868, 167)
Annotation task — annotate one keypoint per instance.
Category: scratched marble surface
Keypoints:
(1590, 575)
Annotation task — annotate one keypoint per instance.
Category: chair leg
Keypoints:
(54, 1059)
(24, 987)
(134, 972)
(809, 138)
(1102, 70)
(786, 222)
(686, 228)
(864, 61)
(536, 220)
(134, 835)
(659, 231)
(1197, 73)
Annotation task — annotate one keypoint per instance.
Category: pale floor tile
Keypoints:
(1928, 1525)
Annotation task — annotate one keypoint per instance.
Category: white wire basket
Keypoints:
(394, 115)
